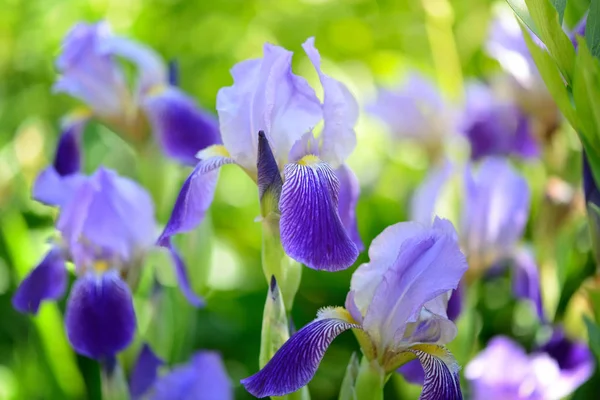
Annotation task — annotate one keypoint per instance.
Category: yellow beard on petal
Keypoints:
(101, 266)
(309, 160)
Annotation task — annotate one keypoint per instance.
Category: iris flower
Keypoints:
(91, 71)
(397, 309)
(266, 122)
(203, 378)
(107, 227)
(503, 370)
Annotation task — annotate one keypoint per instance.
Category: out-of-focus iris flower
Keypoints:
(524, 84)
(493, 211)
(203, 378)
(504, 371)
(107, 226)
(300, 176)
(92, 72)
(495, 127)
(417, 111)
(397, 309)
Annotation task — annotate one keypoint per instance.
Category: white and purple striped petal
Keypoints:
(196, 194)
(90, 74)
(296, 362)
(311, 229)
(47, 281)
(180, 126)
(441, 374)
(100, 318)
(340, 113)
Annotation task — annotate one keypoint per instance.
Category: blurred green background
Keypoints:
(364, 43)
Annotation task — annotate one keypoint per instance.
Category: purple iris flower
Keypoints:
(266, 121)
(203, 378)
(495, 127)
(107, 226)
(90, 71)
(397, 308)
(415, 110)
(505, 371)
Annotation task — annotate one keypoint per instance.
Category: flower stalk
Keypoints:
(369, 381)
(114, 384)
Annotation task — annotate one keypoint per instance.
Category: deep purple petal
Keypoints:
(182, 275)
(296, 362)
(340, 113)
(89, 74)
(180, 125)
(268, 176)
(578, 30)
(413, 372)
(145, 372)
(47, 281)
(203, 378)
(441, 376)
(348, 198)
(311, 230)
(100, 318)
(427, 265)
(195, 197)
(455, 303)
(526, 280)
(173, 73)
(67, 160)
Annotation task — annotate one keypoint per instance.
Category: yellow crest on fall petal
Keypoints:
(309, 160)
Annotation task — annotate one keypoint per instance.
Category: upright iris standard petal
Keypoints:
(181, 127)
(67, 160)
(425, 198)
(495, 210)
(47, 281)
(182, 275)
(428, 265)
(145, 372)
(348, 198)
(265, 96)
(90, 74)
(203, 378)
(340, 113)
(441, 373)
(296, 362)
(311, 230)
(100, 318)
(196, 193)
(526, 280)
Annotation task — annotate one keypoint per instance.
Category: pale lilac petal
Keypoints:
(182, 275)
(311, 230)
(425, 198)
(441, 376)
(55, 190)
(308, 144)
(145, 372)
(266, 96)
(47, 281)
(151, 69)
(195, 197)
(495, 210)
(89, 74)
(427, 265)
(296, 362)
(340, 113)
(348, 198)
(526, 280)
(203, 378)
(181, 127)
(100, 318)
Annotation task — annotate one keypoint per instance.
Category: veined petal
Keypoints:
(340, 113)
(47, 281)
(100, 318)
(311, 230)
(196, 194)
(348, 198)
(203, 378)
(441, 373)
(182, 275)
(296, 362)
(145, 372)
(526, 280)
(181, 127)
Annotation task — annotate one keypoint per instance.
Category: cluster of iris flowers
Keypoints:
(401, 304)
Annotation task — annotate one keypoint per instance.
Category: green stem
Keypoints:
(370, 381)
(114, 385)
